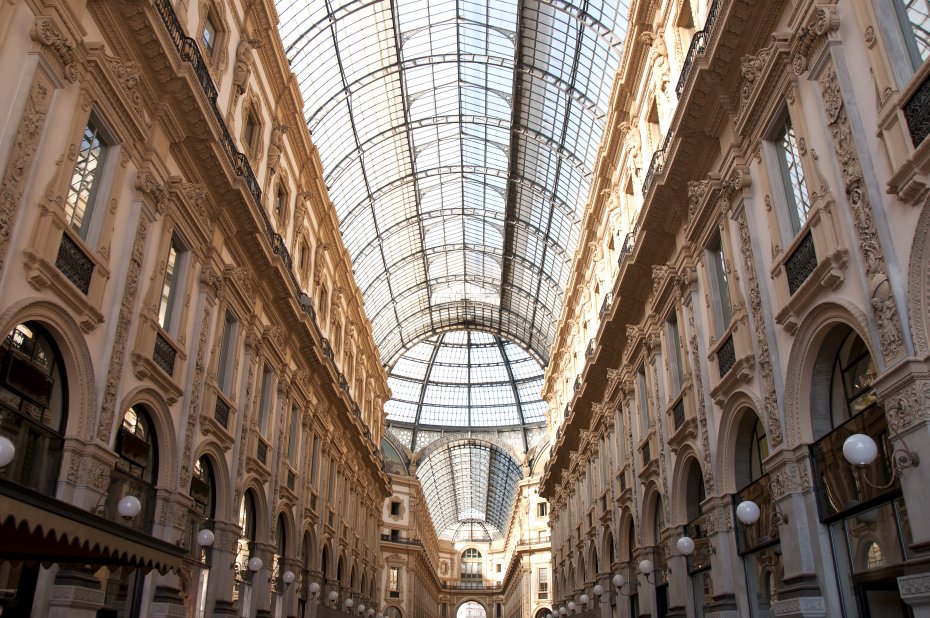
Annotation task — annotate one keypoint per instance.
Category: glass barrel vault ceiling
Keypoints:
(464, 379)
(458, 139)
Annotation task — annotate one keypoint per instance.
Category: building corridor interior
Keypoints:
(465, 308)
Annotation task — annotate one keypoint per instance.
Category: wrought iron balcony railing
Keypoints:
(697, 48)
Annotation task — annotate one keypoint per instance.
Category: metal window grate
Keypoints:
(917, 113)
(678, 413)
(164, 354)
(801, 263)
(74, 264)
(726, 356)
(221, 413)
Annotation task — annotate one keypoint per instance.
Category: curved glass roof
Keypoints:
(458, 139)
(470, 487)
(465, 379)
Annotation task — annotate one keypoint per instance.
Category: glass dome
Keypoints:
(466, 379)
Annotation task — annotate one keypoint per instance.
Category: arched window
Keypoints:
(282, 541)
(324, 562)
(471, 564)
(752, 448)
(758, 451)
(874, 558)
(393, 612)
(203, 510)
(33, 406)
(203, 488)
(853, 374)
(136, 469)
(658, 521)
(247, 532)
(694, 491)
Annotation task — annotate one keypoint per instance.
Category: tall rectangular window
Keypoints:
(331, 488)
(85, 180)
(293, 435)
(227, 353)
(792, 176)
(643, 403)
(720, 285)
(675, 363)
(264, 400)
(394, 580)
(168, 307)
(542, 509)
(914, 16)
(209, 33)
(543, 578)
(315, 463)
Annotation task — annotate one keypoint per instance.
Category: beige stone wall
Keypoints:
(207, 151)
(690, 171)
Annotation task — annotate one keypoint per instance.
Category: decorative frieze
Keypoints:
(885, 309)
(21, 155)
(123, 324)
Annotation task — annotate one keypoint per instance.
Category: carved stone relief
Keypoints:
(21, 155)
(885, 309)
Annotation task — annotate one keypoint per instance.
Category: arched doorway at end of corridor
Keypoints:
(543, 612)
(471, 609)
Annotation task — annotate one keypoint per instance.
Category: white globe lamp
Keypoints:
(128, 507)
(255, 564)
(619, 580)
(645, 567)
(7, 451)
(685, 546)
(288, 578)
(748, 512)
(598, 590)
(860, 449)
(205, 537)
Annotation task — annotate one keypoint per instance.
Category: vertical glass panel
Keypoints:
(793, 177)
(82, 193)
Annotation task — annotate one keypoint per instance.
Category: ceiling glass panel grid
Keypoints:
(470, 487)
(438, 121)
(465, 379)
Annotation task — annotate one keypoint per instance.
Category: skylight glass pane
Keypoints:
(411, 102)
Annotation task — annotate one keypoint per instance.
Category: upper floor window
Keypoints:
(719, 284)
(264, 400)
(168, 307)
(395, 508)
(543, 583)
(542, 509)
(394, 580)
(209, 33)
(315, 462)
(85, 180)
(792, 176)
(643, 402)
(251, 129)
(675, 362)
(914, 16)
(280, 203)
(471, 564)
(227, 353)
(293, 435)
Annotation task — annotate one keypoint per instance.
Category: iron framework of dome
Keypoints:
(461, 381)
(458, 140)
